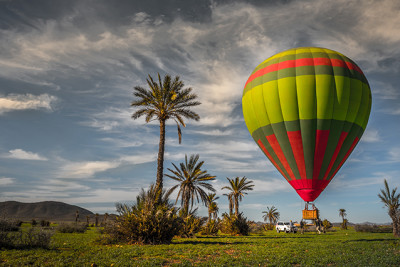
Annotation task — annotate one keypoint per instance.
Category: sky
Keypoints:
(68, 68)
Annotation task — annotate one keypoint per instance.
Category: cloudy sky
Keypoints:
(68, 68)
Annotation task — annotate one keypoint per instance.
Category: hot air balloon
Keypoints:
(307, 109)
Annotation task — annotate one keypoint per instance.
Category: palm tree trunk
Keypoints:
(160, 159)
(395, 220)
(230, 205)
(236, 206)
(209, 215)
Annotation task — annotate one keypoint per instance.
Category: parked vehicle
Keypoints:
(286, 227)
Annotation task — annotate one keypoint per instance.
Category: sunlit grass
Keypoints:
(347, 248)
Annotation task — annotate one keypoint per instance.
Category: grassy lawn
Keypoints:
(340, 248)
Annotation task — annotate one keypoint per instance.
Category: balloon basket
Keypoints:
(310, 214)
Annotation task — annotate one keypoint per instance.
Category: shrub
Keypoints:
(211, 227)
(8, 226)
(190, 224)
(269, 226)
(44, 223)
(72, 228)
(31, 238)
(36, 238)
(34, 222)
(256, 228)
(372, 228)
(327, 224)
(234, 225)
(151, 220)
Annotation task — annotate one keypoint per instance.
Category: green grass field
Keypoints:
(339, 248)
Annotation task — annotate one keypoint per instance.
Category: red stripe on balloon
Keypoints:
(335, 154)
(345, 157)
(311, 191)
(279, 153)
(321, 141)
(296, 143)
(319, 61)
(271, 158)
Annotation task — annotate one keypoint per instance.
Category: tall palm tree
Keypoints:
(342, 213)
(238, 187)
(212, 205)
(164, 100)
(192, 182)
(392, 202)
(230, 201)
(272, 215)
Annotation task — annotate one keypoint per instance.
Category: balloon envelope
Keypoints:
(307, 108)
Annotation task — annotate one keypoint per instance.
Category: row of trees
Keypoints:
(193, 183)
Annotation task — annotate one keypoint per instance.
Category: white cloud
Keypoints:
(213, 132)
(384, 90)
(24, 155)
(24, 102)
(395, 111)
(86, 169)
(89, 169)
(6, 181)
(342, 181)
(271, 185)
(394, 154)
(139, 159)
(371, 136)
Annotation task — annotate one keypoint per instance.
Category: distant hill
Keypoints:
(46, 210)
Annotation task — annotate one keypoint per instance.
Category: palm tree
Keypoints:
(230, 201)
(192, 182)
(342, 213)
(238, 186)
(212, 205)
(164, 100)
(214, 210)
(392, 202)
(272, 215)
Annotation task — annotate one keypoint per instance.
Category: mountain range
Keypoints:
(46, 210)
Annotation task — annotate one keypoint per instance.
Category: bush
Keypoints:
(31, 238)
(44, 223)
(152, 220)
(234, 225)
(256, 228)
(365, 228)
(211, 227)
(72, 228)
(327, 224)
(190, 224)
(269, 226)
(8, 226)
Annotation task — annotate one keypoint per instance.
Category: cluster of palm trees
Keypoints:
(167, 99)
(193, 183)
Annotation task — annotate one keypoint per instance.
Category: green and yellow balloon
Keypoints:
(307, 109)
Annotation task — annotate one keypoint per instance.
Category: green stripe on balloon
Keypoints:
(303, 70)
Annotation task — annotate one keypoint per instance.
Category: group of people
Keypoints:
(319, 226)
